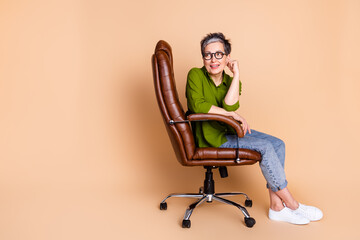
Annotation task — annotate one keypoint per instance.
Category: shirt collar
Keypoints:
(224, 81)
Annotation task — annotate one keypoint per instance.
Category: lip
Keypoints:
(214, 66)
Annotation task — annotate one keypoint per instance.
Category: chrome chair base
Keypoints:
(202, 197)
(207, 192)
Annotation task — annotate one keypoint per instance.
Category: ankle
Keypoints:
(293, 205)
(276, 207)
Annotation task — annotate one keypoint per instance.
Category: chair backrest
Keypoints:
(180, 134)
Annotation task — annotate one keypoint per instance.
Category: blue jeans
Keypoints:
(272, 150)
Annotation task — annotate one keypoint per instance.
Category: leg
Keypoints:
(276, 203)
(277, 144)
(271, 166)
(191, 208)
(283, 195)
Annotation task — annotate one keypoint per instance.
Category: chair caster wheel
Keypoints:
(250, 222)
(186, 224)
(201, 190)
(248, 203)
(163, 206)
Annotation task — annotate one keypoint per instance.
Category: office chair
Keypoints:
(178, 126)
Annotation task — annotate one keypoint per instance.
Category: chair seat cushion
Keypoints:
(210, 153)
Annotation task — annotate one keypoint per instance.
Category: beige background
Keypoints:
(83, 150)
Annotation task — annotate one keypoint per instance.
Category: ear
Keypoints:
(228, 58)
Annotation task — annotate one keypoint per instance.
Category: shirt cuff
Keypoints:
(231, 108)
(205, 107)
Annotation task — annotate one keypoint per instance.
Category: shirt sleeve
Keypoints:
(230, 108)
(194, 93)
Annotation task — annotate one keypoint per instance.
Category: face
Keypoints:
(215, 66)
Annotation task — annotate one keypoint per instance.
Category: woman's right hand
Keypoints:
(245, 125)
(234, 115)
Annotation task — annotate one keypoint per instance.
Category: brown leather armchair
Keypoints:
(181, 136)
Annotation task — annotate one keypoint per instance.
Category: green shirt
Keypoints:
(201, 94)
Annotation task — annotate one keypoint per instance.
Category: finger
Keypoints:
(245, 128)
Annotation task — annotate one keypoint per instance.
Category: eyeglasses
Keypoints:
(218, 55)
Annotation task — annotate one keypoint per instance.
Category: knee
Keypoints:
(280, 143)
(270, 150)
(267, 147)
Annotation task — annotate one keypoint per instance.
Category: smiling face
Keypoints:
(214, 66)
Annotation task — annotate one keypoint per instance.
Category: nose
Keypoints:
(213, 59)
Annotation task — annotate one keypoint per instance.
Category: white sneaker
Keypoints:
(310, 212)
(288, 215)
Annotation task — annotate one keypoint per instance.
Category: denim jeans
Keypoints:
(272, 150)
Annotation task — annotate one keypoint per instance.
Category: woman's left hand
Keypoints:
(244, 124)
(233, 65)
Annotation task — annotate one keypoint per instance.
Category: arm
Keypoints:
(232, 95)
(234, 115)
(195, 93)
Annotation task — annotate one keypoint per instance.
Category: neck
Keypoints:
(217, 79)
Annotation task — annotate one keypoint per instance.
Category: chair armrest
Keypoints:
(217, 117)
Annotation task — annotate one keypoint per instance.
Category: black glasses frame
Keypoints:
(214, 55)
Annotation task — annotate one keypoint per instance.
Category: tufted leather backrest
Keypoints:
(180, 134)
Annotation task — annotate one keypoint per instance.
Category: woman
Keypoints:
(210, 90)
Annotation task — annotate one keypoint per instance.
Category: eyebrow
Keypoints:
(214, 52)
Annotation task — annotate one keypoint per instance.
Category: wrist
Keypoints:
(229, 114)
